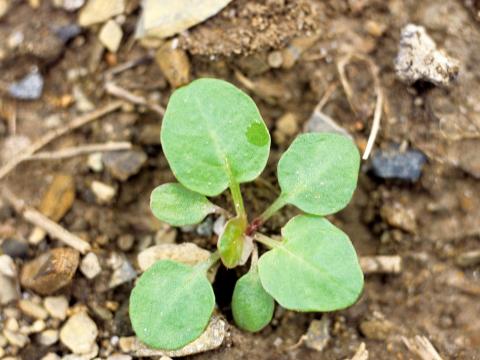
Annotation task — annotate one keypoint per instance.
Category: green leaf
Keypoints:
(318, 173)
(171, 305)
(179, 206)
(315, 267)
(252, 306)
(213, 133)
(231, 242)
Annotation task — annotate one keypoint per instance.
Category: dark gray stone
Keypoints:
(15, 248)
(393, 164)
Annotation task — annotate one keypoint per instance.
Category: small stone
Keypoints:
(399, 216)
(122, 274)
(119, 357)
(28, 88)
(318, 334)
(186, 253)
(48, 337)
(98, 11)
(15, 338)
(82, 103)
(56, 306)
(79, 333)
(219, 225)
(4, 7)
(125, 242)
(123, 164)
(51, 356)
(72, 5)
(50, 271)
(205, 228)
(7, 266)
(275, 59)
(393, 164)
(15, 248)
(11, 324)
(173, 63)
(95, 162)
(33, 310)
(36, 327)
(111, 35)
(211, 339)
(90, 266)
(286, 127)
(376, 329)
(375, 28)
(103, 192)
(10, 290)
(419, 59)
(468, 258)
(164, 19)
(320, 122)
(166, 235)
(68, 32)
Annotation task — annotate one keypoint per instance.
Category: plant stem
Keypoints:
(237, 199)
(265, 240)
(207, 264)
(254, 258)
(272, 209)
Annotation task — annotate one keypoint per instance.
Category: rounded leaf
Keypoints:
(212, 133)
(252, 306)
(318, 173)
(179, 206)
(171, 305)
(315, 268)
(231, 242)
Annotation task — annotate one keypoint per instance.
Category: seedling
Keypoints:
(215, 139)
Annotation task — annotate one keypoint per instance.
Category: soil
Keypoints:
(432, 296)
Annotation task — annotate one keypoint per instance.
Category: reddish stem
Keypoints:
(253, 226)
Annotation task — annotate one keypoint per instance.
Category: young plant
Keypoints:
(214, 139)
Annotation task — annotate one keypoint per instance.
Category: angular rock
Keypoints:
(16, 338)
(10, 290)
(419, 59)
(50, 271)
(164, 19)
(90, 266)
(79, 333)
(211, 339)
(28, 88)
(111, 35)
(399, 216)
(320, 122)
(98, 11)
(393, 164)
(56, 306)
(123, 164)
(122, 274)
(318, 334)
(174, 64)
(48, 337)
(377, 329)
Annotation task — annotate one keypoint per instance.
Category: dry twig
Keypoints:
(422, 347)
(51, 227)
(115, 90)
(81, 150)
(52, 135)
(341, 65)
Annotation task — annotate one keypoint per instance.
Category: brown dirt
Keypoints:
(432, 296)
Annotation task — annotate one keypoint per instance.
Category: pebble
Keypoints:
(56, 306)
(36, 327)
(164, 19)
(320, 122)
(29, 87)
(56, 202)
(174, 64)
(393, 164)
(68, 32)
(318, 334)
(10, 290)
(33, 310)
(399, 216)
(90, 266)
(286, 127)
(119, 357)
(125, 242)
(419, 59)
(79, 333)
(186, 253)
(82, 103)
(111, 35)
(123, 164)
(122, 274)
(99, 11)
(205, 228)
(51, 356)
(211, 339)
(275, 59)
(48, 337)
(61, 263)
(4, 7)
(16, 338)
(72, 5)
(104, 193)
(15, 248)
(219, 225)
(7, 266)
(468, 258)
(376, 329)
(95, 163)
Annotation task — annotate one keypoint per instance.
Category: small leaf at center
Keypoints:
(231, 242)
